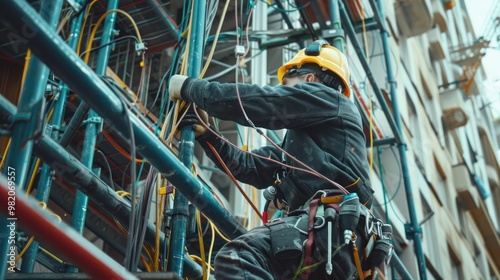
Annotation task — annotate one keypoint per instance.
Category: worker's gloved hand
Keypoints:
(190, 118)
(175, 86)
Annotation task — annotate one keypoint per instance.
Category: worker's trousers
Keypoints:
(250, 256)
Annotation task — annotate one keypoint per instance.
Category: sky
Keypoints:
(480, 15)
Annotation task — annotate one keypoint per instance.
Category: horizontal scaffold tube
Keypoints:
(19, 16)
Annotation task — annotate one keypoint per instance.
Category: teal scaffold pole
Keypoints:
(28, 124)
(93, 123)
(413, 229)
(45, 181)
(186, 145)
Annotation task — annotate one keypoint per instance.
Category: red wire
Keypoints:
(235, 182)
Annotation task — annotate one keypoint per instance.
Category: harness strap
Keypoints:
(313, 207)
(357, 261)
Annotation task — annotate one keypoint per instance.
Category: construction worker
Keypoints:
(323, 132)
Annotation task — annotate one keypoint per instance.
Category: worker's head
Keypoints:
(319, 62)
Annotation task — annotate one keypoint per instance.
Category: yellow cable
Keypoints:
(101, 19)
(211, 245)
(221, 235)
(212, 50)
(33, 175)
(63, 22)
(188, 42)
(24, 249)
(196, 258)
(144, 262)
(124, 194)
(25, 70)
(38, 162)
(5, 153)
(52, 255)
(367, 54)
(83, 27)
(159, 217)
(202, 246)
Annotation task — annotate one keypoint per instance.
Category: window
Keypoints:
(430, 239)
(456, 264)
(446, 193)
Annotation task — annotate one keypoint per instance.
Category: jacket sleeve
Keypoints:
(246, 168)
(278, 107)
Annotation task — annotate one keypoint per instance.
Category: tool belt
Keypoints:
(358, 243)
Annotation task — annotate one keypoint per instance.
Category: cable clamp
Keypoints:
(53, 127)
(96, 120)
(140, 48)
(239, 50)
(21, 117)
(333, 33)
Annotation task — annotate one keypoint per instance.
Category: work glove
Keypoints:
(175, 86)
(190, 118)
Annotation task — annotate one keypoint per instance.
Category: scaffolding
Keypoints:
(100, 100)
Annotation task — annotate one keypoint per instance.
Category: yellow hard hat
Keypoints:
(323, 55)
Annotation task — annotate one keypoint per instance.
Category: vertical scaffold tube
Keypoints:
(28, 122)
(338, 42)
(45, 181)
(93, 124)
(413, 230)
(186, 145)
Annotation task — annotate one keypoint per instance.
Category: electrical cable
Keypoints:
(367, 55)
(109, 168)
(228, 172)
(311, 171)
(201, 244)
(64, 21)
(196, 258)
(28, 244)
(212, 242)
(212, 50)
(101, 19)
(129, 257)
(383, 183)
(110, 43)
(260, 132)
(83, 26)
(143, 214)
(5, 153)
(159, 217)
(38, 161)
(33, 176)
(379, 151)
(296, 9)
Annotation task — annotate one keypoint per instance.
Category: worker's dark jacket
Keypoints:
(324, 132)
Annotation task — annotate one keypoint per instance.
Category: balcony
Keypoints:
(468, 197)
(467, 194)
(490, 158)
(436, 48)
(414, 17)
(439, 15)
(454, 114)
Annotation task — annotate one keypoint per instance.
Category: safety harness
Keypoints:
(336, 230)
